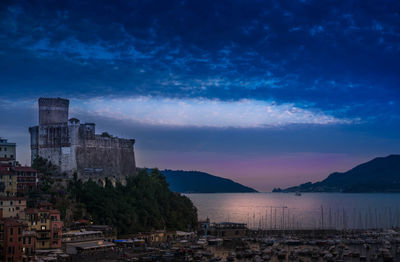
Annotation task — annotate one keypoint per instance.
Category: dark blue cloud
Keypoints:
(339, 57)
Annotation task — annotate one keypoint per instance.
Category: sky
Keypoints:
(267, 93)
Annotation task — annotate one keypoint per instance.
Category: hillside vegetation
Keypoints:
(145, 203)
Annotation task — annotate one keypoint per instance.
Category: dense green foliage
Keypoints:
(47, 171)
(144, 203)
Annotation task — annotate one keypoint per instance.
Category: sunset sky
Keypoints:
(267, 93)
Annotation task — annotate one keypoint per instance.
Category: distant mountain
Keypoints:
(200, 182)
(381, 174)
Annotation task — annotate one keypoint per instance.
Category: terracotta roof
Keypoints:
(11, 222)
(6, 159)
(82, 221)
(54, 211)
(11, 198)
(24, 169)
(5, 172)
(35, 210)
(44, 210)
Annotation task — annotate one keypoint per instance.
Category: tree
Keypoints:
(144, 204)
(46, 172)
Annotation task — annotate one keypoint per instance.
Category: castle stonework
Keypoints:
(75, 147)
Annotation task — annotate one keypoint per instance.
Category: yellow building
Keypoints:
(47, 225)
(7, 151)
(8, 182)
(13, 207)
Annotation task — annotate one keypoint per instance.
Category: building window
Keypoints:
(11, 239)
(11, 231)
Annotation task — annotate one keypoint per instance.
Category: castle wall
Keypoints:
(34, 132)
(75, 147)
(104, 156)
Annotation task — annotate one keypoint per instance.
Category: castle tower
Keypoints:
(75, 147)
(53, 111)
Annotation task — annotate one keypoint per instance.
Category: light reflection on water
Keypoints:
(310, 210)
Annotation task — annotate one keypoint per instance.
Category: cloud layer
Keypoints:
(340, 58)
(251, 80)
(204, 112)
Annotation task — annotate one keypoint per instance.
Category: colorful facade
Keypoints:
(28, 246)
(17, 179)
(8, 181)
(13, 207)
(11, 240)
(27, 178)
(7, 151)
(48, 227)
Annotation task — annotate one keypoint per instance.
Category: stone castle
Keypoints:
(75, 147)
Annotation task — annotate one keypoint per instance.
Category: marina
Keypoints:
(263, 245)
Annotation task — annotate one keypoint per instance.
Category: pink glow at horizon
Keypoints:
(262, 173)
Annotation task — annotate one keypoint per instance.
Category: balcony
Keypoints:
(43, 236)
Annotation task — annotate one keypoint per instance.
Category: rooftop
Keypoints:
(81, 233)
(11, 198)
(92, 245)
(24, 169)
(11, 222)
(5, 142)
(41, 210)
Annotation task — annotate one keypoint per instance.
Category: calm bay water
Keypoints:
(310, 210)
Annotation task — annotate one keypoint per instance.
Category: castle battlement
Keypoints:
(75, 147)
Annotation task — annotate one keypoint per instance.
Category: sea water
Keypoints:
(308, 211)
